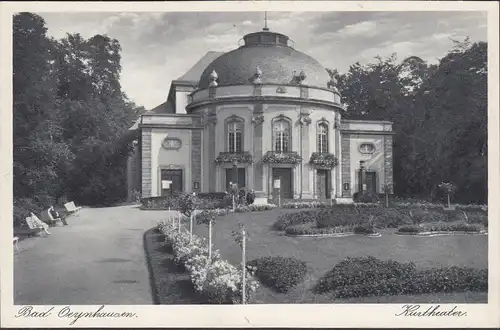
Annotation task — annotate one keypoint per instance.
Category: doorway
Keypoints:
(371, 181)
(285, 176)
(241, 177)
(323, 178)
(173, 180)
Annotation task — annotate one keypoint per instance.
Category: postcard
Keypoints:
(250, 164)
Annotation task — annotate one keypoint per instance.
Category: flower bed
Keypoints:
(368, 276)
(339, 231)
(441, 227)
(216, 280)
(254, 208)
(316, 204)
(408, 203)
(279, 273)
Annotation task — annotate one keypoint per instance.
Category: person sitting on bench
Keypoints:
(54, 216)
(39, 223)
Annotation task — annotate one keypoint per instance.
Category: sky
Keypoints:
(158, 47)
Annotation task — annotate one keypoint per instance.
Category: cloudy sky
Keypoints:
(160, 47)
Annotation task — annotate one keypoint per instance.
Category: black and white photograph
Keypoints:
(265, 157)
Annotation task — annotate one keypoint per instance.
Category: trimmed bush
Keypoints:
(368, 276)
(298, 218)
(279, 273)
(308, 230)
(441, 226)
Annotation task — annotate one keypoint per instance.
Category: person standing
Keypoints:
(250, 197)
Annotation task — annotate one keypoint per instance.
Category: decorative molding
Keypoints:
(305, 119)
(299, 78)
(213, 79)
(281, 90)
(257, 119)
(257, 78)
(373, 148)
(172, 167)
(171, 143)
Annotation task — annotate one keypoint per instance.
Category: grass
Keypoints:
(321, 254)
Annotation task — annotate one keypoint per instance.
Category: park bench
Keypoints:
(71, 207)
(34, 229)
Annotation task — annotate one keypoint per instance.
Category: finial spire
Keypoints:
(265, 22)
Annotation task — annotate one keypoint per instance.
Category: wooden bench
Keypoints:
(35, 229)
(71, 207)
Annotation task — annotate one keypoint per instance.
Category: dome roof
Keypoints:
(270, 52)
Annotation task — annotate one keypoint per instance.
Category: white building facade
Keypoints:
(260, 113)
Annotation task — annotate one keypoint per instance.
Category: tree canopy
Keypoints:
(71, 117)
(439, 114)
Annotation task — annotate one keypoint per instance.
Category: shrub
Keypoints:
(279, 273)
(441, 226)
(477, 217)
(422, 215)
(308, 230)
(22, 209)
(365, 229)
(389, 218)
(365, 197)
(340, 217)
(362, 270)
(410, 229)
(216, 280)
(305, 205)
(298, 218)
(367, 276)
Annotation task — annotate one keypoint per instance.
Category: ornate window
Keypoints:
(322, 132)
(235, 136)
(367, 148)
(281, 135)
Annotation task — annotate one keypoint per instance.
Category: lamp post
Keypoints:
(235, 171)
(362, 176)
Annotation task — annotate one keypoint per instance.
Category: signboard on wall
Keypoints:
(165, 184)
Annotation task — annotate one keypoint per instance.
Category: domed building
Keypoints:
(264, 116)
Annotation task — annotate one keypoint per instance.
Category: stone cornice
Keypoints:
(190, 127)
(267, 99)
(363, 132)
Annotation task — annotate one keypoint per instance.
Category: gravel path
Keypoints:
(98, 259)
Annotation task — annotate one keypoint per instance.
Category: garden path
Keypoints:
(98, 258)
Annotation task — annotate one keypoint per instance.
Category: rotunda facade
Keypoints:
(266, 117)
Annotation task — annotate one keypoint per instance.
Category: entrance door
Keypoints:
(323, 184)
(241, 177)
(371, 181)
(285, 176)
(175, 178)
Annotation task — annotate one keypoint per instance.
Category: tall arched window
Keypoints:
(323, 138)
(235, 136)
(281, 135)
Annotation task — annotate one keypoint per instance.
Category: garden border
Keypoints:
(442, 233)
(335, 235)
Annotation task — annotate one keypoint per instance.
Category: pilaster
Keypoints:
(146, 162)
(346, 164)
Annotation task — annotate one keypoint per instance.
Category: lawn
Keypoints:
(321, 254)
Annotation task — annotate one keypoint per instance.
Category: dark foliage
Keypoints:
(368, 276)
(279, 273)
